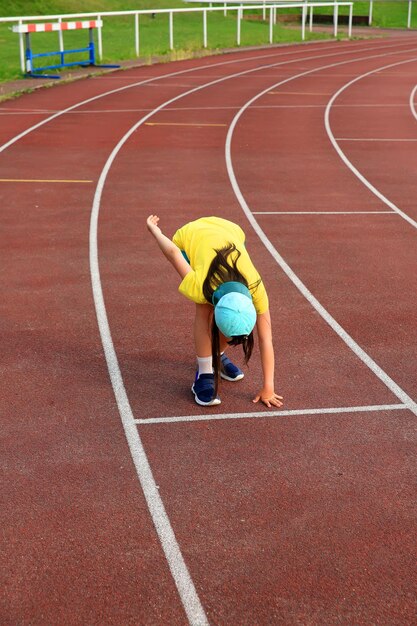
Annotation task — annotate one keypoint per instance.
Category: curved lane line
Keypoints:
(339, 330)
(343, 156)
(169, 75)
(413, 103)
(130, 86)
(176, 563)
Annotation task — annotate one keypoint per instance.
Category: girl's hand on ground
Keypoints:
(269, 398)
(152, 224)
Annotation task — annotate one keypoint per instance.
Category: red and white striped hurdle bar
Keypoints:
(43, 28)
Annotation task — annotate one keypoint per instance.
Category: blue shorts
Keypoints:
(185, 257)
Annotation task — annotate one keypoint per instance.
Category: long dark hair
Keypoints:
(223, 269)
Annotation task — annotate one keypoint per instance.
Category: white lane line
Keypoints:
(269, 414)
(343, 156)
(339, 330)
(175, 560)
(280, 54)
(412, 102)
(323, 213)
(164, 76)
(383, 139)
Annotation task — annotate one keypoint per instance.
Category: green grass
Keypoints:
(385, 14)
(119, 36)
(118, 32)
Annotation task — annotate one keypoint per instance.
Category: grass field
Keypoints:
(119, 36)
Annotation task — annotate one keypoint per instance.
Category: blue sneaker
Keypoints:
(203, 390)
(230, 371)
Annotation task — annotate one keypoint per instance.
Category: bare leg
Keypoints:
(202, 331)
(202, 334)
(223, 343)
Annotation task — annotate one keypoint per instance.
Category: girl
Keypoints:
(217, 274)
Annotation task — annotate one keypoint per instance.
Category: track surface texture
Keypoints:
(126, 503)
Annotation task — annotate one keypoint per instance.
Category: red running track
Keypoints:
(126, 503)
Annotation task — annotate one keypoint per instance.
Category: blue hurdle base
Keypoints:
(38, 72)
(34, 73)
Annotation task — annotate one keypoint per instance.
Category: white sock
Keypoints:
(205, 365)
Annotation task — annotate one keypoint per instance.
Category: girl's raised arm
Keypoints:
(169, 249)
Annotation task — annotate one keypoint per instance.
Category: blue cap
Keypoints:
(234, 312)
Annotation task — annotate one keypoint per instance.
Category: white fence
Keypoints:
(265, 3)
(240, 8)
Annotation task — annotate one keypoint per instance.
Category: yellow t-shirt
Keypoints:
(199, 240)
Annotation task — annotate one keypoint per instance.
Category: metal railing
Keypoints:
(272, 7)
(265, 3)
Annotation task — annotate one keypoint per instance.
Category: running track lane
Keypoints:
(179, 140)
(211, 601)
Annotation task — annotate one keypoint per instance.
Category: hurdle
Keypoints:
(36, 72)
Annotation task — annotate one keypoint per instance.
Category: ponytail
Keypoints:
(223, 269)
(215, 353)
(246, 341)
